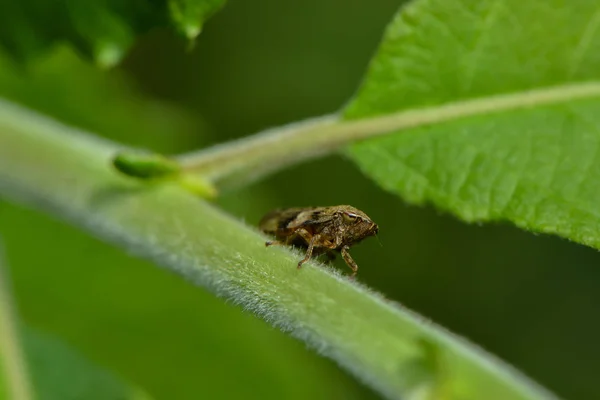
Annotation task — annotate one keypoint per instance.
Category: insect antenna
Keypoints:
(377, 237)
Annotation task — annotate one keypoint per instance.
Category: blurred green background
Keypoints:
(532, 300)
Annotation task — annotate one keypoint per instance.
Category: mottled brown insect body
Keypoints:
(321, 230)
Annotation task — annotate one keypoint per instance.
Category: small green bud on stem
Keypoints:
(153, 167)
(146, 165)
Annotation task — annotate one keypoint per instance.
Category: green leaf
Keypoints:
(104, 30)
(14, 375)
(36, 366)
(60, 373)
(536, 164)
(189, 15)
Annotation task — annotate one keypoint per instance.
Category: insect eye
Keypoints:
(349, 217)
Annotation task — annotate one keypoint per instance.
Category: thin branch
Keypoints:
(253, 157)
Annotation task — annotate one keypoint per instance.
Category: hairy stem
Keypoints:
(401, 355)
(255, 156)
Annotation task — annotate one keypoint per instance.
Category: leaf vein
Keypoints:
(584, 43)
(475, 53)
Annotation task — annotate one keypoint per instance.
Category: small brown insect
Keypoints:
(321, 230)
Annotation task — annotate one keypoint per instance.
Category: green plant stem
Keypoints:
(12, 358)
(250, 158)
(68, 174)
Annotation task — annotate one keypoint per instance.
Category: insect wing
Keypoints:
(310, 217)
(279, 219)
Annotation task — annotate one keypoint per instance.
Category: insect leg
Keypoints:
(279, 242)
(349, 261)
(309, 251)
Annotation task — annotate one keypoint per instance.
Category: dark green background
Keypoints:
(532, 300)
